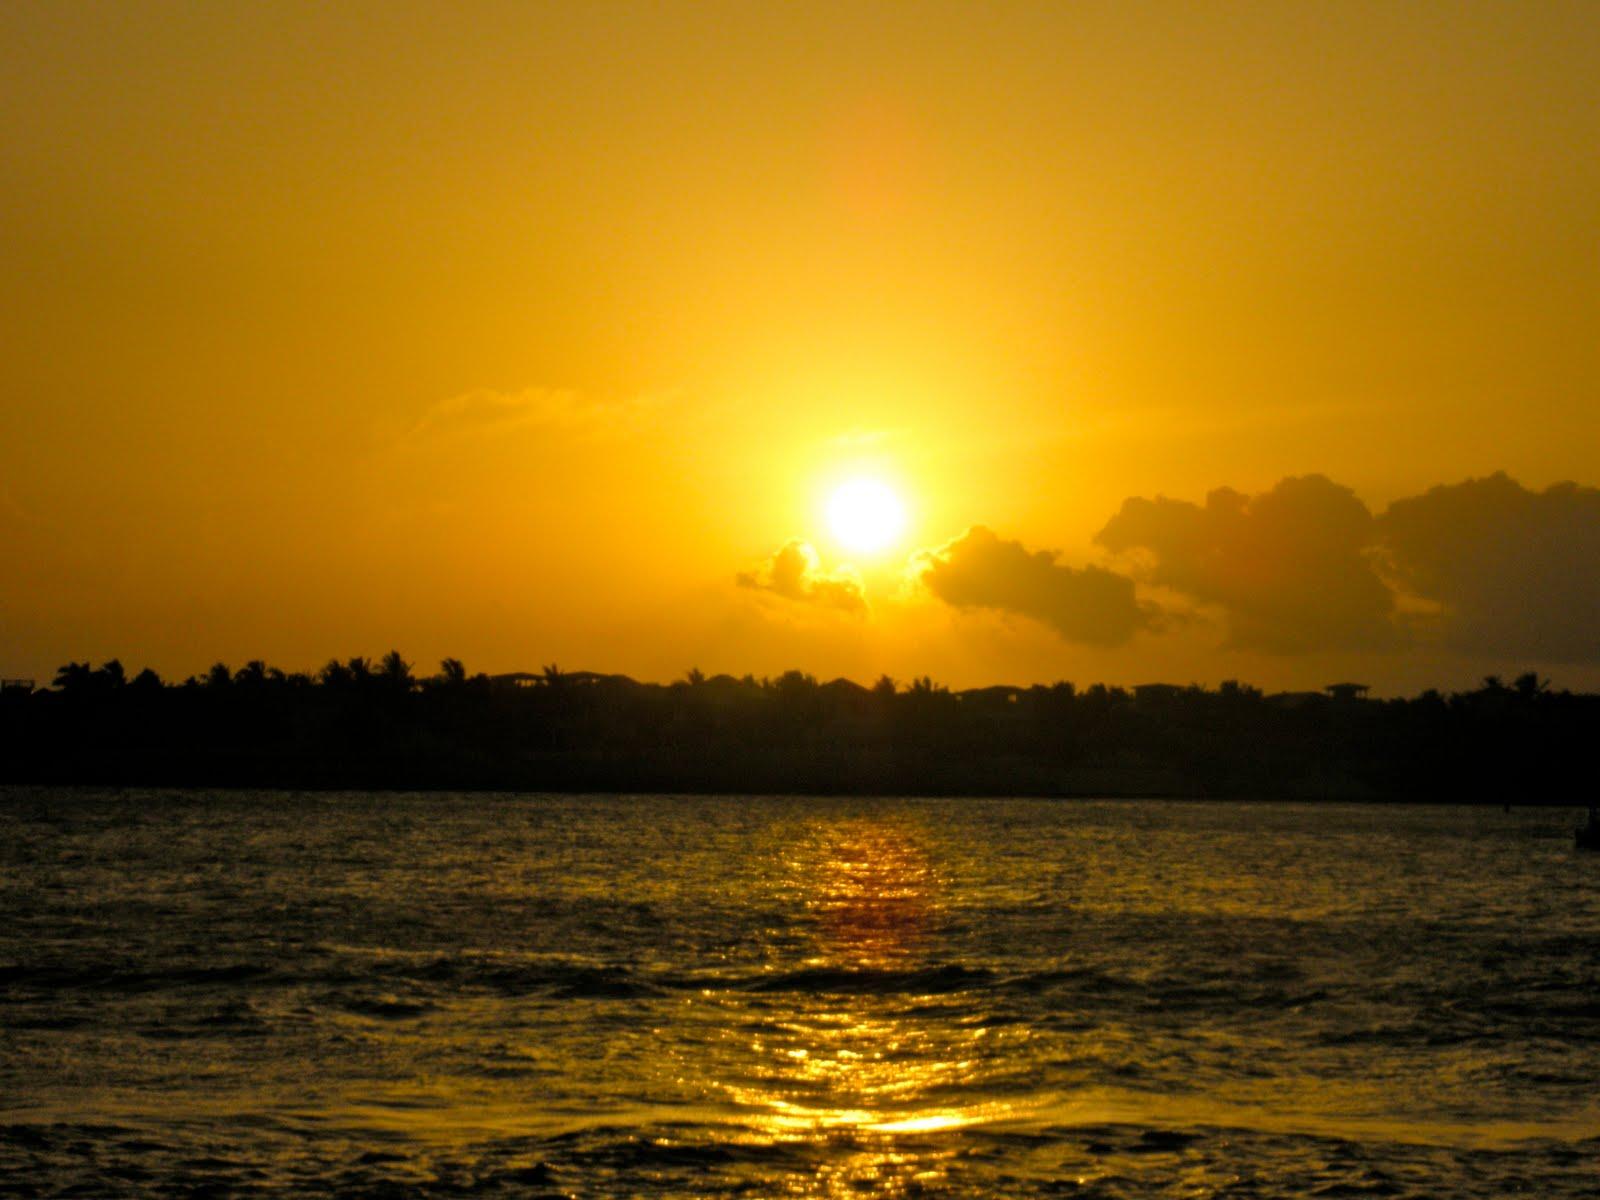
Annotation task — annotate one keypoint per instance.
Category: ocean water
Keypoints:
(389, 995)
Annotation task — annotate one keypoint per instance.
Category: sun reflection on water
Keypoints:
(866, 1064)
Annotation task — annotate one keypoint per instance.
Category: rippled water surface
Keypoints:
(550, 995)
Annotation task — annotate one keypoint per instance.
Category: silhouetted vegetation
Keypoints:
(359, 725)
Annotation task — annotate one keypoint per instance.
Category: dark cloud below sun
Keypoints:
(982, 570)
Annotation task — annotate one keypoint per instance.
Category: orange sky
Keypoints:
(524, 333)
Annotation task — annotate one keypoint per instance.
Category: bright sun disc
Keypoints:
(865, 515)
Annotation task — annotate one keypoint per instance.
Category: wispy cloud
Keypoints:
(486, 412)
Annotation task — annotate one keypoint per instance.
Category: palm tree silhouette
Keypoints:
(74, 678)
(395, 671)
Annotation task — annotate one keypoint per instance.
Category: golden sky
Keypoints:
(529, 333)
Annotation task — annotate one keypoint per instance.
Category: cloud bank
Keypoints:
(1291, 568)
(795, 573)
(1485, 567)
(1515, 572)
(982, 570)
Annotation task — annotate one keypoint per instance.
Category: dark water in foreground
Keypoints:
(461, 995)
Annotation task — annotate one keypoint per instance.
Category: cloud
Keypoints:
(1516, 572)
(795, 573)
(1291, 568)
(485, 411)
(982, 570)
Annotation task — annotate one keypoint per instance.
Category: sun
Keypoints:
(865, 515)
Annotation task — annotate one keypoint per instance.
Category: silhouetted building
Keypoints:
(1347, 691)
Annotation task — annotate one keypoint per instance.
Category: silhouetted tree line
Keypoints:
(359, 724)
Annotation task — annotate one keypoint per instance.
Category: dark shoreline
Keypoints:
(357, 729)
(644, 794)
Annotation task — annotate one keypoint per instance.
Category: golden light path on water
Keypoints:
(872, 1074)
